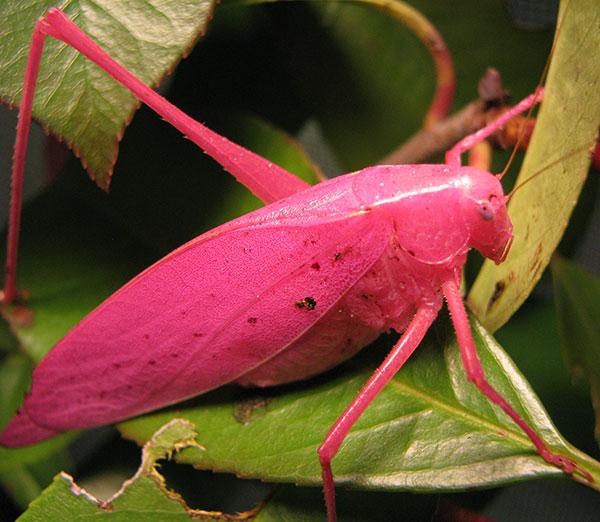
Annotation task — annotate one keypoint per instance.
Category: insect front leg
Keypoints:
(468, 142)
(476, 375)
(411, 338)
(263, 178)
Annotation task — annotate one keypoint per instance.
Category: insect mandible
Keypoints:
(308, 281)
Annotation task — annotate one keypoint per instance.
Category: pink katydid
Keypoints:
(325, 247)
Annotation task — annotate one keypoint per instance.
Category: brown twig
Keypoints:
(441, 135)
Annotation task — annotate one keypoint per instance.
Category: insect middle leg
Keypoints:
(476, 375)
(410, 340)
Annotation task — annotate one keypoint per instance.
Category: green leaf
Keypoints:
(145, 495)
(75, 99)
(577, 294)
(566, 129)
(428, 430)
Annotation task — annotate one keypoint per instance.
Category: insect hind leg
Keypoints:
(266, 180)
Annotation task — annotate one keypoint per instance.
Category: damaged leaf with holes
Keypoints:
(144, 496)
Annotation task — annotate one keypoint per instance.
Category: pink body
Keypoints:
(369, 247)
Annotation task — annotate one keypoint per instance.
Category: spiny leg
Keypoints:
(476, 375)
(266, 180)
(411, 338)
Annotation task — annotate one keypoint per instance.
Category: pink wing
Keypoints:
(203, 316)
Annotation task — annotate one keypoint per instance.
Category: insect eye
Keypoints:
(486, 211)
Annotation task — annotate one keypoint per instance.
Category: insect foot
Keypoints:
(567, 465)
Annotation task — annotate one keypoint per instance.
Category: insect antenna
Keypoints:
(553, 163)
